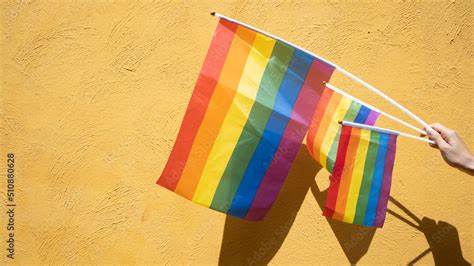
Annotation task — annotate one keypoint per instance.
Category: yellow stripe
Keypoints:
(357, 173)
(235, 120)
(331, 132)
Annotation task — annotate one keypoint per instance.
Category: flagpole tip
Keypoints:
(213, 13)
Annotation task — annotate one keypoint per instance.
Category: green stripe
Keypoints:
(367, 178)
(349, 116)
(254, 127)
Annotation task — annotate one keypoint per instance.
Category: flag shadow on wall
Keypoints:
(353, 239)
(256, 243)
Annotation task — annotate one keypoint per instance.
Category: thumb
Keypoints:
(436, 137)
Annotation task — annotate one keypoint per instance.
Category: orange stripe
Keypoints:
(347, 174)
(315, 122)
(324, 124)
(216, 111)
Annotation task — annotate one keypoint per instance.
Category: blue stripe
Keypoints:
(362, 115)
(274, 129)
(252, 132)
(376, 180)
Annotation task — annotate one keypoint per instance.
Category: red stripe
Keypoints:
(197, 106)
(337, 172)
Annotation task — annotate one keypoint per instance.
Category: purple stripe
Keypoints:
(372, 118)
(291, 141)
(386, 183)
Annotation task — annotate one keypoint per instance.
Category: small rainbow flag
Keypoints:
(324, 132)
(250, 110)
(362, 176)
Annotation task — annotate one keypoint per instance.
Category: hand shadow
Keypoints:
(245, 242)
(442, 237)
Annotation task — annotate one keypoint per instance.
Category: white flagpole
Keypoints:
(334, 88)
(381, 94)
(340, 69)
(384, 130)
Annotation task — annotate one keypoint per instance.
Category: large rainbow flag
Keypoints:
(250, 110)
(362, 176)
(324, 132)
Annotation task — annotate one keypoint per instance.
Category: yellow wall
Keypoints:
(93, 93)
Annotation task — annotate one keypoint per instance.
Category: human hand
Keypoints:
(452, 147)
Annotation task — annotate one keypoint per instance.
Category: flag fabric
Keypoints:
(324, 132)
(250, 110)
(362, 176)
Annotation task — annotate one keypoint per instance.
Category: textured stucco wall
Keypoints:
(93, 93)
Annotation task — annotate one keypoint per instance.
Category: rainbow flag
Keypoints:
(362, 176)
(250, 110)
(324, 132)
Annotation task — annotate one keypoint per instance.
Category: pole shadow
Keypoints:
(442, 237)
(256, 243)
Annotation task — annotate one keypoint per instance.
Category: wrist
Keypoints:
(468, 162)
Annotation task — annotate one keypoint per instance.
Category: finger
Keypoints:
(439, 127)
(436, 137)
(446, 133)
